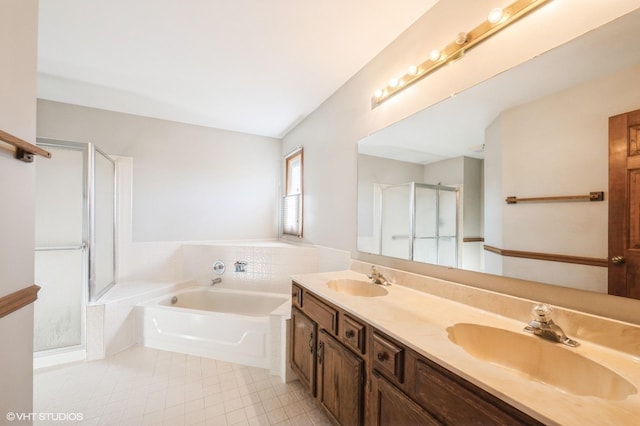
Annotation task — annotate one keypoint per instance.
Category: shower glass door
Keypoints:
(435, 238)
(75, 240)
(447, 227)
(61, 255)
(396, 224)
(425, 243)
(102, 264)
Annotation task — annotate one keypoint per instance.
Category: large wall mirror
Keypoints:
(432, 187)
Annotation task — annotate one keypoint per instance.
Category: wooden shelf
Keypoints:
(24, 150)
(19, 299)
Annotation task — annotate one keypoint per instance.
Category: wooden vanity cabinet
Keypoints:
(327, 349)
(362, 375)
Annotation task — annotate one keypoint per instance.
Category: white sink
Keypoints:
(541, 360)
(357, 288)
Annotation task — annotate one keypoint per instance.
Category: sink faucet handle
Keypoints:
(373, 272)
(542, 312)
(376, 277)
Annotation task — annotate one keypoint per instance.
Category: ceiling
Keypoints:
(420, 138)
(253, 66)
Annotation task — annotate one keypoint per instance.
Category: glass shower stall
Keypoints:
(420, 222)
(75, 241)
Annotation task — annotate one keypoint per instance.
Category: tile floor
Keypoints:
(143, 386)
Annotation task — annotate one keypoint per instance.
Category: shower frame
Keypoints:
(412, 217)
(88, 245)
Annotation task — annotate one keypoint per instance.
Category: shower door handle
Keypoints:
(56, 248)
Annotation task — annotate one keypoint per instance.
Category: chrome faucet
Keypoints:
(215, 281)
(240, 266)
(376, 277)
(542, 325)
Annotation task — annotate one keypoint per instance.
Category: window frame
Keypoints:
(293, 229)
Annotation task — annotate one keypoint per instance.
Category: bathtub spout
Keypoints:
(216, 281)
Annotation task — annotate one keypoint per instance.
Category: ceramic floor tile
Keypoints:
(237, 416)
(276, 416)
(194, 416)
(142, 386)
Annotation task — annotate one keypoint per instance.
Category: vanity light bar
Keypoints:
(497, 20)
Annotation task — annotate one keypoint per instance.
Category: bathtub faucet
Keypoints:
(240, 266)
(215, 281)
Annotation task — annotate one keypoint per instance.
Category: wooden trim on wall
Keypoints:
(473, 240)
(19, 299)
(590, 261)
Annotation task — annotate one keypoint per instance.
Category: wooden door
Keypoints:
(624, 205)
(340, 381)
(303, 349)
(391, 407)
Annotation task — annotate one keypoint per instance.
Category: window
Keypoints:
(292, 200)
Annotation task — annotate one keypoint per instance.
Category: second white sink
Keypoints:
(541, 360)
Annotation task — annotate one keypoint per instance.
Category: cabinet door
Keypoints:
(340, 381)
(389, 406)
(303, 349)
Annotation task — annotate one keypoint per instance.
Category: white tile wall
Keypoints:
(111, 322)
(269, 264)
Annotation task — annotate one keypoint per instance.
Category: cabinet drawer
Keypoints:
(453, 400)
(296, 295)
(323, 314)
(388, 357)
(353, 333)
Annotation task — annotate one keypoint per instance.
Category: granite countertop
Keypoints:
(420, 320)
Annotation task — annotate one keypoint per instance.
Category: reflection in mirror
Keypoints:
(539, 129)
(420, 212)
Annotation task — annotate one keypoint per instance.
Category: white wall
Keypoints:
(190, 183)
(18, 47)
(330, 134)
(557, 145)
(493, 198)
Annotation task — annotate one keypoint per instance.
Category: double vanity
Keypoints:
(418, 350)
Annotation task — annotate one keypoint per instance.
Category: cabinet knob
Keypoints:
(382, 356)
(618, 260)
(349, 334)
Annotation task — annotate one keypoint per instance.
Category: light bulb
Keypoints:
(434, 55)
(495, 15)
(393, 82)
(461, 38)
(413, 70)
(378, 93)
